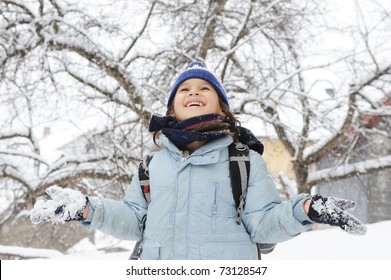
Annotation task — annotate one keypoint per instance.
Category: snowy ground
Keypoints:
(327, 244)
(319, 254)
(334, 244)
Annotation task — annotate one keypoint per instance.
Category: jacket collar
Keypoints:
(214, 147)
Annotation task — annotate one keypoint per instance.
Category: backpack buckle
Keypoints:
(240, 209)
(137, 247)
(240, 146)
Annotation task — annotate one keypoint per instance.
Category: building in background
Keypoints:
(372, 191)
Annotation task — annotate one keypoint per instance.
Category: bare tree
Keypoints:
(56, 56)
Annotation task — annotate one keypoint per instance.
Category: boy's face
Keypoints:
(196, 97)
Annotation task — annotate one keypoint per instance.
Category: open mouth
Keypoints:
(195, 104)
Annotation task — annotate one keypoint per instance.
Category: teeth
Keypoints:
(194, 104)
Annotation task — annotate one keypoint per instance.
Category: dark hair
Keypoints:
(232, 120)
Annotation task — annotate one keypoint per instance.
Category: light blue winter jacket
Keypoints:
(192, 211)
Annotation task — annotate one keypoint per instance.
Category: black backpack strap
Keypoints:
(265, 248)
(137, 247)
(143, 176)
(239, 168)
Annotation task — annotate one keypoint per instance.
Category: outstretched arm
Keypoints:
(269, 220)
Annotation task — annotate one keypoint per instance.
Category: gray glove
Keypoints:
(331, 211)
(62, 205)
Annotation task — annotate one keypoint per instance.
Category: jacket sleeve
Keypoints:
(267, 218)
(118, 218)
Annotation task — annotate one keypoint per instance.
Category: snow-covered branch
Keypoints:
(11, 172)
(14, 133)
(140, 33)
(312, 153)
(28, 155)
(216, 7)
(349, 170)
(66, 176)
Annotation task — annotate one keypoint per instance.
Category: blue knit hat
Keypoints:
(197, 70)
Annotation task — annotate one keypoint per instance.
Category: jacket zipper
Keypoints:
(185, 155)
(214, 203)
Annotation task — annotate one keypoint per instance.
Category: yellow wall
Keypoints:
(277, 158)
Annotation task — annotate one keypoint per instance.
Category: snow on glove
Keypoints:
(331, 211)
(62, 205)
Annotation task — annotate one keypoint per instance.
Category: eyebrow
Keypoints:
(204, 83)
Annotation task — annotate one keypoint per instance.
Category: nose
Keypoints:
(193, 92)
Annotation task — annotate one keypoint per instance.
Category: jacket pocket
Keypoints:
(229, 251)
(150, 250)
(221, 203)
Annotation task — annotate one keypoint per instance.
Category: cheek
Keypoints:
(174, 105)
(177, 101)
(219, 109)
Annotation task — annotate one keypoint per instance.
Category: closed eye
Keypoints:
(183, 90)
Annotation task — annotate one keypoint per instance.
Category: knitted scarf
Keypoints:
(201, 128)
